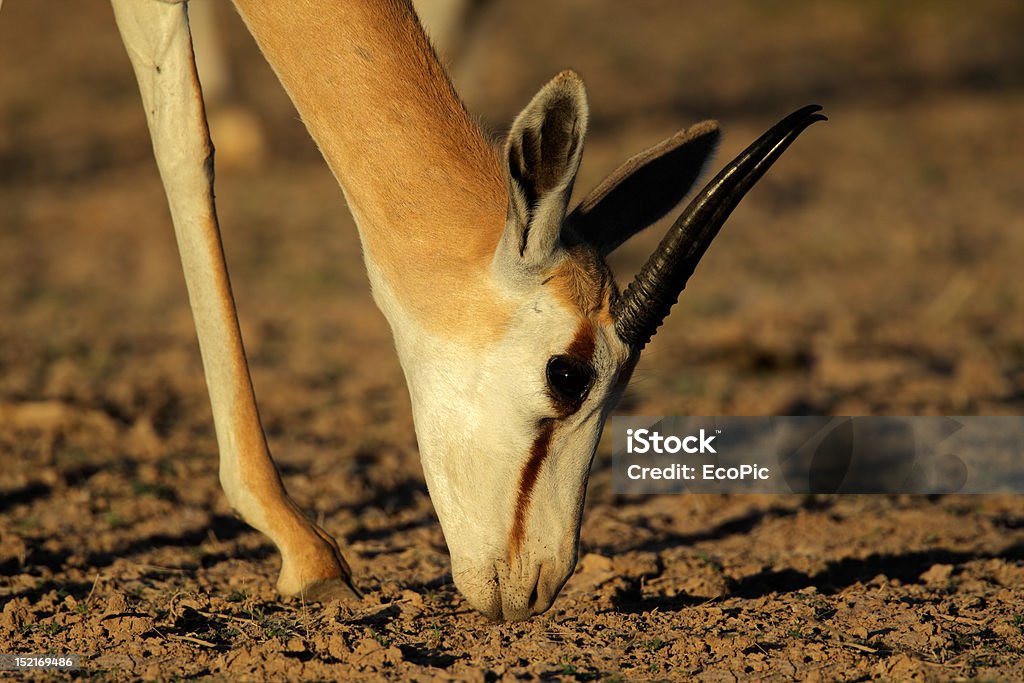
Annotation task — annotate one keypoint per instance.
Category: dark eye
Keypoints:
(569, 379)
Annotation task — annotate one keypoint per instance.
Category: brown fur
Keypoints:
(423, 182)
(527, 480)
(584, 283)
(584, 343)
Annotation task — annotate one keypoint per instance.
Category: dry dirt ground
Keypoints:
(876, 270)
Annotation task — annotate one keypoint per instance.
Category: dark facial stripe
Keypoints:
(582, 349)
(527, 480)
(583, 343)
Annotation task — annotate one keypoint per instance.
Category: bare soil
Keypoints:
(876, 270)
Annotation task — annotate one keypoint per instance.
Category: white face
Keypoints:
(506, 456)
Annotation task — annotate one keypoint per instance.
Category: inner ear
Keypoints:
(541, 158)
(543, 154)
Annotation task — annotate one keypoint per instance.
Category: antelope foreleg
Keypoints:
(157, 38)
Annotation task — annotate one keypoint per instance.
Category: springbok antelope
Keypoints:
(515, 342)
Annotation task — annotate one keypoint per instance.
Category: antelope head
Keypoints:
(507, 430)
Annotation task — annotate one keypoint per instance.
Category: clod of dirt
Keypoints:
(15, 613)
(937, 574)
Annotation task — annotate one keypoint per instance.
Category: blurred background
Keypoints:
(873, 271)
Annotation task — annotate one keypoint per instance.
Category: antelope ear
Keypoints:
(643, 189)
(542, 156)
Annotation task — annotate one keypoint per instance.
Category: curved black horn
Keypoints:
(655, 289)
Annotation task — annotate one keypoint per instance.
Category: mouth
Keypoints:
(522, 591)
(504, 595)
(519, 598)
